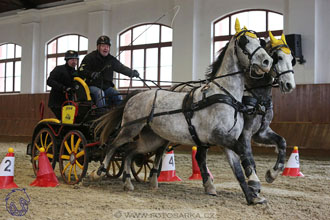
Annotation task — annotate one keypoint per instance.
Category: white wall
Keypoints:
(322, 44)
(192, 31)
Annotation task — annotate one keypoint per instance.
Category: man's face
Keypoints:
(103, 49)
(73, 62)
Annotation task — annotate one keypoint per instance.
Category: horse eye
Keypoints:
(280, 58)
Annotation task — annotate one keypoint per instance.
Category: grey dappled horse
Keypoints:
(256, 125)
(219, 124)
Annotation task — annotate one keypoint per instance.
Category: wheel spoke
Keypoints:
(79, 165)
(145, 173)
(75, 171)
(81, 153)
(139, 170)
(72, 142)
(48, 146)
(69, 174)
(67, 147)
(41, 142)
(113, 167)
(66, 167)
(148, 165)
(65, 157)
(116, 163)
(77, 145)
(51, 156)
(45, 143)
(37, 146)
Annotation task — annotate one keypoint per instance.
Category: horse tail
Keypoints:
(110, 122)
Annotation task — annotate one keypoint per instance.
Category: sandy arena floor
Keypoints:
(288, 197)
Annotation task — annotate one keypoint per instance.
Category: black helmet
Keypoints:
(71, 54)
(103, 40)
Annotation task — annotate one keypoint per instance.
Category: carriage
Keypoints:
(71, 141)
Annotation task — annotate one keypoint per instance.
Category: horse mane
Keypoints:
(215, 66)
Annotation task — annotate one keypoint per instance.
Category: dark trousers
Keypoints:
(57, 111)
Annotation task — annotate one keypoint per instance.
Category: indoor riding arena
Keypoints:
(218, 109)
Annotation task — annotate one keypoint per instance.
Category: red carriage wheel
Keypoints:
(141, 166)
(73, 158)
(46, 139)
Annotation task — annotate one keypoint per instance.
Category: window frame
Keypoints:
(146, 46)
(58, 55)
(13, 60)
(263, 34)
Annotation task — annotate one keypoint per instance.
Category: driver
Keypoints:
(97, 68)
(61, 81)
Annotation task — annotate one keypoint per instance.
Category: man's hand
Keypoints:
(68, 89)
(135, 73)
(95, 75)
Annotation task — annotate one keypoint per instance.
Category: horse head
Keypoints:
(242, 54)
(250, 53)
(283, 62)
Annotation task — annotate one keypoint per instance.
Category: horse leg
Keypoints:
(247, 162)
(250, 170)
(207, 180)
(269, 137)
(128, 186)
(154, 171)
(234, 162)
(125, 135)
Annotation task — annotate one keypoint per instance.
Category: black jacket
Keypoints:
(59, 79)
(95, 62)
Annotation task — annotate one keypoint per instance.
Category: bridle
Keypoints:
(241, 41)
(274, 55)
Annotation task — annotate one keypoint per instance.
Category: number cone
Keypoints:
(292, 167)
(168, 173)
(45, 175)
(7, 171)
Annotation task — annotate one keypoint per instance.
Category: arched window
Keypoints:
(57, 47)
(10, 68)
(258, 20)
(148, 49)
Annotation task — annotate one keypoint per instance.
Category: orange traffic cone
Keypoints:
(292, 167)
(7, 171)
(196, 175)
(45, 175)
(168, 173)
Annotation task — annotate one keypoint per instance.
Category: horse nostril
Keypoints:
(266, 62)
(289, 86)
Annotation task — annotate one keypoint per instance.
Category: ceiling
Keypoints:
(10, 6)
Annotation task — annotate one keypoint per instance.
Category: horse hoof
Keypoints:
(212, 194)
(259, 200)
(128, 188)
(269, 178)
(94, 176)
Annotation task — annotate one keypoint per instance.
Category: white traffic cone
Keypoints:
(168, 173)
(292, 167)
(7, 171)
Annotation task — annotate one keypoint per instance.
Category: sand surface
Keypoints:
(288, 197)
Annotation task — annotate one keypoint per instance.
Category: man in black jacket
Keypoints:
(97, 68)
(61, 81)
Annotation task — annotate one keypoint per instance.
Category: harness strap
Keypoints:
(188, 113)
(151, 114)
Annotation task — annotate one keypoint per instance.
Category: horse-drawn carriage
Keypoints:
(71, 141)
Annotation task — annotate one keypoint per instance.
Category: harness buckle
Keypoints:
(261, 109)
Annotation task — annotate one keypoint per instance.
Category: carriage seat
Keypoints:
(75, 110)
